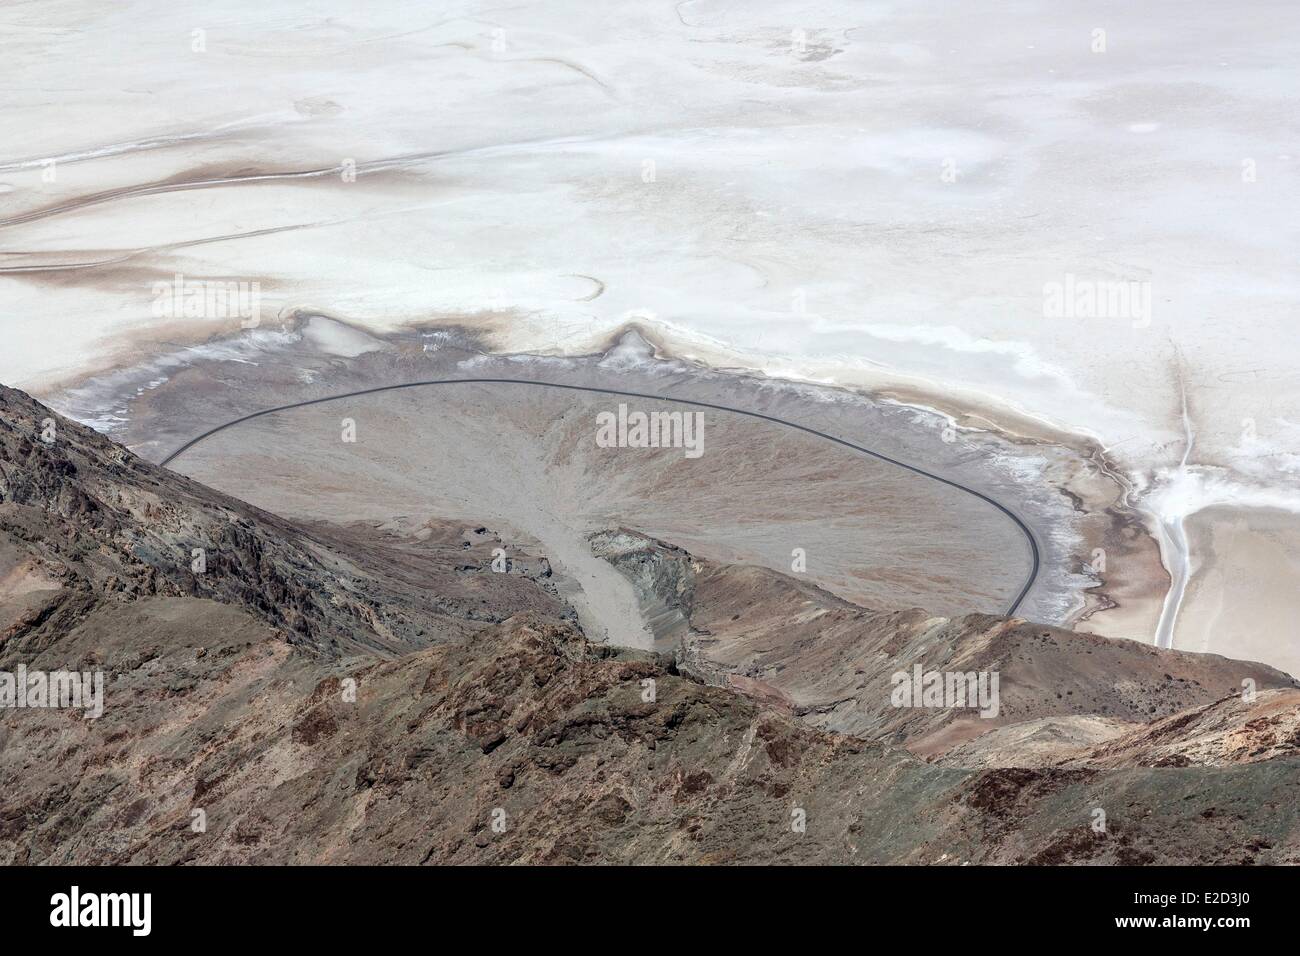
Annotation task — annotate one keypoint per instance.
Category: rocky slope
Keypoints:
(529, 745)
(832, 663)
(82, 521)
(352, 695)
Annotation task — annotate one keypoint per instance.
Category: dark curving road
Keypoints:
(1024, 529)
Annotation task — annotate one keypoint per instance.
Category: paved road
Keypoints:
(1024, 529)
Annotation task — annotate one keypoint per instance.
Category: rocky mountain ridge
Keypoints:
(361, 695)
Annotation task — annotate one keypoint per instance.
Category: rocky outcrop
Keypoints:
(1238, 729)
(662, 574)
(108, 525)
(834, 663)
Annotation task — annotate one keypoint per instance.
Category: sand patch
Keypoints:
(1243, 598)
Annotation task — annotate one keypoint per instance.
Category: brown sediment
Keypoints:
(217, 176)
(1128, 600)
(539, 471)
(1091, 494)
(157, 339)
